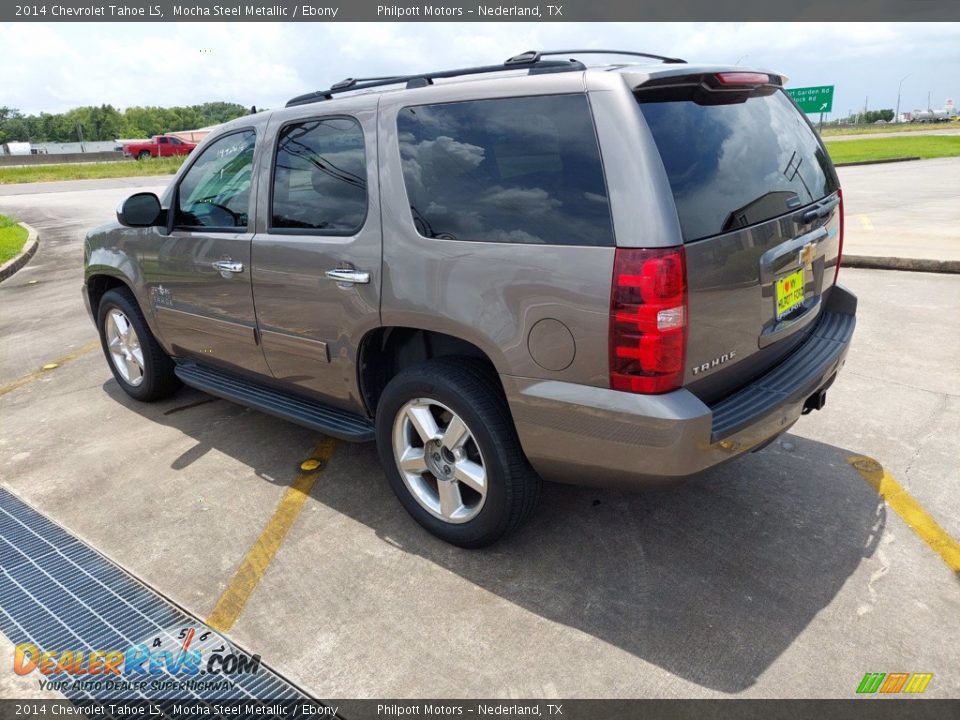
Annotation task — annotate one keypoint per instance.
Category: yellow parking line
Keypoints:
(909, 509)
(258, 557)
(866, 222)
(20, 382)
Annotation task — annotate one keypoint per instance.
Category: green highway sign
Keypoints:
(813, 99)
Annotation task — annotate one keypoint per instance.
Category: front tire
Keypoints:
(139, 364)
(447, 443)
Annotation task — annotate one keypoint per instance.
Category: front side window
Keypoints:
(320, 177)
(514, 170)
(215, 192)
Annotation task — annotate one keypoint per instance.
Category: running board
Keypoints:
(302, 411)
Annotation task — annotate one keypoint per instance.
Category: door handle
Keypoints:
(228, 266)
(347, 275)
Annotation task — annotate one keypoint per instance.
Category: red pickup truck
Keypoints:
(158, 146)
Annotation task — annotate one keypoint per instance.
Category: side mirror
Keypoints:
(140, 210)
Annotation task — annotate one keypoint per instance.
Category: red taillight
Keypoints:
(743, 78)
(839, 249)
(648, 320)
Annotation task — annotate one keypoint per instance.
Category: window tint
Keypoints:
(738, 164)
(162, 141)
(320, 180)
(215, 192)
(518, 170)
(175, 141)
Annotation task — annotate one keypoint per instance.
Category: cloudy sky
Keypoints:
(53, 67)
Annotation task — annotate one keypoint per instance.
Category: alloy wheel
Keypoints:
(124, 347)
(439, 460)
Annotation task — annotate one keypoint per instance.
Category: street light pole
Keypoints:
(896, 117)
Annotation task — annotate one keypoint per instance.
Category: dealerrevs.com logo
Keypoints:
(892, 683)
(179, 659)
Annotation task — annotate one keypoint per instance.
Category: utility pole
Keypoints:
(80, 134)
(896, 117)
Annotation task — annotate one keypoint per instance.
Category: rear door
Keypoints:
(316, 261)
(759, 209)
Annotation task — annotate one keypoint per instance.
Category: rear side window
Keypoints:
(320, 177)
(735, 165)
(516, 170)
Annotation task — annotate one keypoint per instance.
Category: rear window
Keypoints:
(513, 170)
(735, 165)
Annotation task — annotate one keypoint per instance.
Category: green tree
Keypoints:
(9, 115)
(105, 122)
(872, 116)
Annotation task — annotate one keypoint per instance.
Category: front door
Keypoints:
(199, 282)
(316, 256)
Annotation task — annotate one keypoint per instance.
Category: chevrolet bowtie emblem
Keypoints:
(806, 253)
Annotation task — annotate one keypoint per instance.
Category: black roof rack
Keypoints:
(532, 60)
(533, 56)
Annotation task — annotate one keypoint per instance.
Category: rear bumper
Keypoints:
(596, 436)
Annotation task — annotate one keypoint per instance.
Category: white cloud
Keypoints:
(53, 67)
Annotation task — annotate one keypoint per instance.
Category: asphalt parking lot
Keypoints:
(906, 209)
(784, 574)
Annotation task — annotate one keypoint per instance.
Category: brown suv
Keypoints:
(612, 274)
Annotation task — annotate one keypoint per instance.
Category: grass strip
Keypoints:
(90, 171)
(12, 238)
(924, 146)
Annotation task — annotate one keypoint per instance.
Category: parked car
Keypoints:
(158, 146)
(611, 275)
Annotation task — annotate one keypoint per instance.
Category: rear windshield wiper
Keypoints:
(821, 211)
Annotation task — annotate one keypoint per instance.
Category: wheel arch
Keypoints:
(101, 278)
(385, 351)
(99, 283)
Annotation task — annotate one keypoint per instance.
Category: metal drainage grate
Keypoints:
(59, 594)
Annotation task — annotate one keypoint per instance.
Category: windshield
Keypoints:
(735, 165)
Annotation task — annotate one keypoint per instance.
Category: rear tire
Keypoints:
(464, 476)
(139, 364)
(144, 155)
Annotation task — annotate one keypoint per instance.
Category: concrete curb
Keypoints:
(876, 162)
(895, 263)
(29, 249)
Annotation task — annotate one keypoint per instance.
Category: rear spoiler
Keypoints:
(722, 87)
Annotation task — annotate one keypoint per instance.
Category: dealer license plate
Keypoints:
(789, 293)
